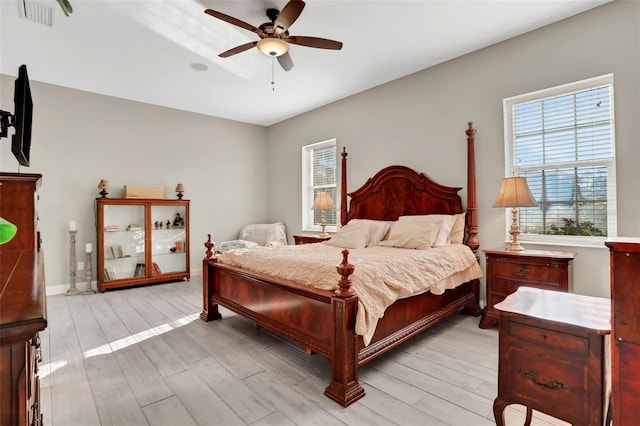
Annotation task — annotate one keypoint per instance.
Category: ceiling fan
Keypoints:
(274, 36)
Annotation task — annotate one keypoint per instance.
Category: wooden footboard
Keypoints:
(320, 320)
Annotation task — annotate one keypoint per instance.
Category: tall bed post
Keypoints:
(473, 307)
(472, 210)
(343, 189)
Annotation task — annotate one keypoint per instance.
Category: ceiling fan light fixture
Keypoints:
(273, 46)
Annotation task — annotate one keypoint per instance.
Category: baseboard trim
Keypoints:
(53, 290)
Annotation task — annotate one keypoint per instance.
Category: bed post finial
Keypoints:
(345, 269)
(472, 210)
(343, 189)
(209, 245)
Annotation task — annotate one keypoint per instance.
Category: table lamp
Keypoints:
(514, 193)
(323, 202)
(180, 190)
(103, 186)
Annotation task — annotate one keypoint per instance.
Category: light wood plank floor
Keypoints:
(142, 356)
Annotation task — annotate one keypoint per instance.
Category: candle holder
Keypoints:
(73, 291)
(87, 265)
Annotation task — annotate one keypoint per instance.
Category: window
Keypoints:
(318, 175)
(562, 141)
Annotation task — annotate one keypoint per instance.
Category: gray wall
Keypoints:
(419, 121)
(80, 138)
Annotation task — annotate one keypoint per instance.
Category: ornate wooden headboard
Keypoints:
(398, 191)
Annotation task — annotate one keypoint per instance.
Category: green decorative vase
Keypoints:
(7, 231)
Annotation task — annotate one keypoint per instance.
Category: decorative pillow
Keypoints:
(445, 221)
(360, 233)
(411, 235)
(457, 231)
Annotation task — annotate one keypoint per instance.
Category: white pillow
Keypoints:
(360, 233)
(411, 235)
(445, 221)
(457, 231)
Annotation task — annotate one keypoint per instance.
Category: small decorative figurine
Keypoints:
(168, 224)
(155, 224)
(178, 222)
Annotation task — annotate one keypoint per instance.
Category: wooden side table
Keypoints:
(508, 270)
(309, 238)
(552, 355)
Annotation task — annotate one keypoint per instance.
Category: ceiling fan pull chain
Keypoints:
(273, 73)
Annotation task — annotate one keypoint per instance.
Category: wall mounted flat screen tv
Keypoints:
(23, 113)
(20, 119)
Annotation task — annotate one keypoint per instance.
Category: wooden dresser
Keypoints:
(553, 350)
(508, 270)
(22, 303)
(625, 311)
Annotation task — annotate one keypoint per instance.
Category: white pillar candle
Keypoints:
(72, 225)
(88, 248)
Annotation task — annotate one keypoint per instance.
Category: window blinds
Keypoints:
(563, 145)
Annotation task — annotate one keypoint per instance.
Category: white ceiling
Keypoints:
(142, 49)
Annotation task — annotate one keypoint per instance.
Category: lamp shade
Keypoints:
(273, 46)
(104, 184)
(179, 187)
(514, 192)
(323, 201)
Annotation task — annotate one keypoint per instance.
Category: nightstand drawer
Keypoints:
(549, 338)
(548, 273)
(536, 381)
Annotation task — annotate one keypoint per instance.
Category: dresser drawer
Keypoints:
(536, 381)
(528, 272)
(549, 339)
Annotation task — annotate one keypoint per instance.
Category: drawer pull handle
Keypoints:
(552, 386)
(522, 271)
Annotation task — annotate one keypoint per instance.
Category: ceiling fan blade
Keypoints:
(235, 21)
(288, 15)
(285, 61)
(321, 43)
(238, 49)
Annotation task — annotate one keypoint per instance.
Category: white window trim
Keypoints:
(612, 213)
(307, 197)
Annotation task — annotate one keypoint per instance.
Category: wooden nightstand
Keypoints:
(553, 355)
(508, 270)
(309, 238)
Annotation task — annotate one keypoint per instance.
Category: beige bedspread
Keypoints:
(382, 274)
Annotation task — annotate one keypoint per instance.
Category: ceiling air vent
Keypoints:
(38, 12)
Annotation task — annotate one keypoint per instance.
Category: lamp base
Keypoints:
(515, 233)
(515, 247)
(323, 233)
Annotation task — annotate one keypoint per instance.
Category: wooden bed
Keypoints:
(300, 312)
